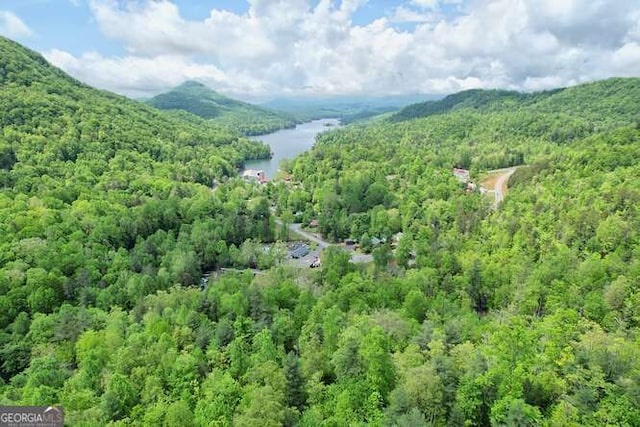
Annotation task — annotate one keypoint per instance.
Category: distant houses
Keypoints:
(299, 250)
(254, 175)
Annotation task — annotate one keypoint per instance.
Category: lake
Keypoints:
(288, 143)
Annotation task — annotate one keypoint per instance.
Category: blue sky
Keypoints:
(262, 48)
(59, 24)
(70, 25)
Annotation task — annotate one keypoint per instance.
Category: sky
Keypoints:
(257, 49)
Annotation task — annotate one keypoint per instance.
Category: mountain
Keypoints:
(198, 99)
(346, 108)
(86, 176)
(595, 99)
(40, 100)
(473, 98)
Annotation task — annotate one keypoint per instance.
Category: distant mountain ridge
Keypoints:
(587, 98)
(472, 98)
(346, 108)
(197, 98)
(40, 101)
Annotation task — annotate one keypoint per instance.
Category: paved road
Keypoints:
(501, 183)
(297, 228)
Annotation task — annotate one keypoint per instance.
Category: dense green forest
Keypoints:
(525, 315)
(198, 99)
(104, 201)
(90, 178)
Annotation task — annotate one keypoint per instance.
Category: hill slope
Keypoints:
(86, 174)
(198, 99)
(506, 317)
(559, 115)
(473, 98)
(603, 98)
(527, 315)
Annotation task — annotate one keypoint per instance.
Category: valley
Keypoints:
(517, 309)
(288, 143)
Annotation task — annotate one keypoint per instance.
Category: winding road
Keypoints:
(297, 228)
(501, 185)
(499, 190)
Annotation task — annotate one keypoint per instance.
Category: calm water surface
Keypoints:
(288, 143)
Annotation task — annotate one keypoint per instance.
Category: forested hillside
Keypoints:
(609, 99)
(525, 315)
(473, 98)
(198, 99)
(102, 202)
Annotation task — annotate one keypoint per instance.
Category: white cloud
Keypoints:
(139, 76)
(434, 4)
(405, 14)
(300, 46)
(428, 4)
(11, 26)
(627, 57)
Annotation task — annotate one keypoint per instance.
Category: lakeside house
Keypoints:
(254, 175)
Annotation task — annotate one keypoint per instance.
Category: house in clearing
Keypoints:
(462, 175)
(299, 250)
(254, 175)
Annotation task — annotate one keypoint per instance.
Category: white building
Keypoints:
(254, 175)
(462, 175)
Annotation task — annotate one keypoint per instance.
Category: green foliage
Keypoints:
(527, 314)
(336, 265)
(107, 200)
(611, 98)
(471, 99)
